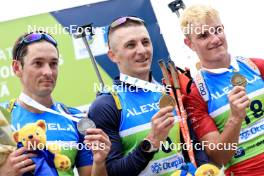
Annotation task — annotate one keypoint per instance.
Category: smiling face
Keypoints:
(209, 43)
(204, 34)
(131, 49)
(38, 73)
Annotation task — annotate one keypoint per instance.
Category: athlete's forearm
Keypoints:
(99, 169)
(226, 142)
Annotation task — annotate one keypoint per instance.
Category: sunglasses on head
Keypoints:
(122, 20)
(34, 37)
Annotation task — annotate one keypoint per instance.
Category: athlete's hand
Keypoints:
(239, 101)
(17, 163)
(99, 144)
(161, 124)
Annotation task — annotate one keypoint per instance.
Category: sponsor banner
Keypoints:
(77, 79)
(164, 165)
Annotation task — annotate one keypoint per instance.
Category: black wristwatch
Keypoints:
(147, 146)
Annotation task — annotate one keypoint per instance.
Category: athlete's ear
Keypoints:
(111, 54)
(17, 68)
(188, 42)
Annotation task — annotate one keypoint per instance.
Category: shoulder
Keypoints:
(194, 95)
(68, 109)
(260, 64)
(103, 102)
(258, 61)
(104, 112)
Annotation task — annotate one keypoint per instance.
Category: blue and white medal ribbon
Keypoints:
(152, 86)
(30, 102)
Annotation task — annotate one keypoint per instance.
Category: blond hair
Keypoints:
(197, 14)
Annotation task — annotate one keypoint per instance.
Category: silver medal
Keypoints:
(84, 124)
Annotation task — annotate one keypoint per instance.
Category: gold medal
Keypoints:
(166, 100)
(238, 80)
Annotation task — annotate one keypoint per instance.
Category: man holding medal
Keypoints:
(130, 115)
(226, 101)
(35, 63)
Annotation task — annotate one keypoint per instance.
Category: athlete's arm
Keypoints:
(206, 129)
(107, 117)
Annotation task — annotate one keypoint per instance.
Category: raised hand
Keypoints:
(161, 124)
(239, 101)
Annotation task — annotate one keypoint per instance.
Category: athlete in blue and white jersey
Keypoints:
(228, 117)
(131, 116)
(35, 63)
(60, 131)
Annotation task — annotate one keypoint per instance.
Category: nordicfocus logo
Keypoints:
(158, 167)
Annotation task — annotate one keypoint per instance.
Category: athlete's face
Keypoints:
(38, 74)
(209, 42)
(132, 50)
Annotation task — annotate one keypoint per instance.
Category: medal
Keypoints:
(238, 80)
(84, 124)
(165, 101)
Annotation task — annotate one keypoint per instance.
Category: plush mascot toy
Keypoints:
(209, 170)
(33, 137)
(203, 170)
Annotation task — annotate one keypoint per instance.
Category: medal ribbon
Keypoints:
(30, 102)
(222, 70)
(152, 86)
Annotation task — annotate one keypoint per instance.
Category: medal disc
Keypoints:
(84, 124)
(166, 100)
(238, 80)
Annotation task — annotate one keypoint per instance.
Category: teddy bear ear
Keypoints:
(15, 136)
(41, 124)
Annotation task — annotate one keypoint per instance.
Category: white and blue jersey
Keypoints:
(60, 130)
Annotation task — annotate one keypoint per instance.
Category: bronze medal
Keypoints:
(165, 101)
(84, 124)
(238, 80)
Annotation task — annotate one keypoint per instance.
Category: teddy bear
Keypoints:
(33, 136)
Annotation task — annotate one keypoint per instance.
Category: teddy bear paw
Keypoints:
(62, 162)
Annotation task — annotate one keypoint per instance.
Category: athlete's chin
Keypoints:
(218, 56)
(143, 71)
(46, 91)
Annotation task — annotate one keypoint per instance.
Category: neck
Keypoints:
(223, 63)
(45, 101)
(144, 77)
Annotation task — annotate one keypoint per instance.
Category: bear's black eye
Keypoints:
(23, 139)
(37, 133)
